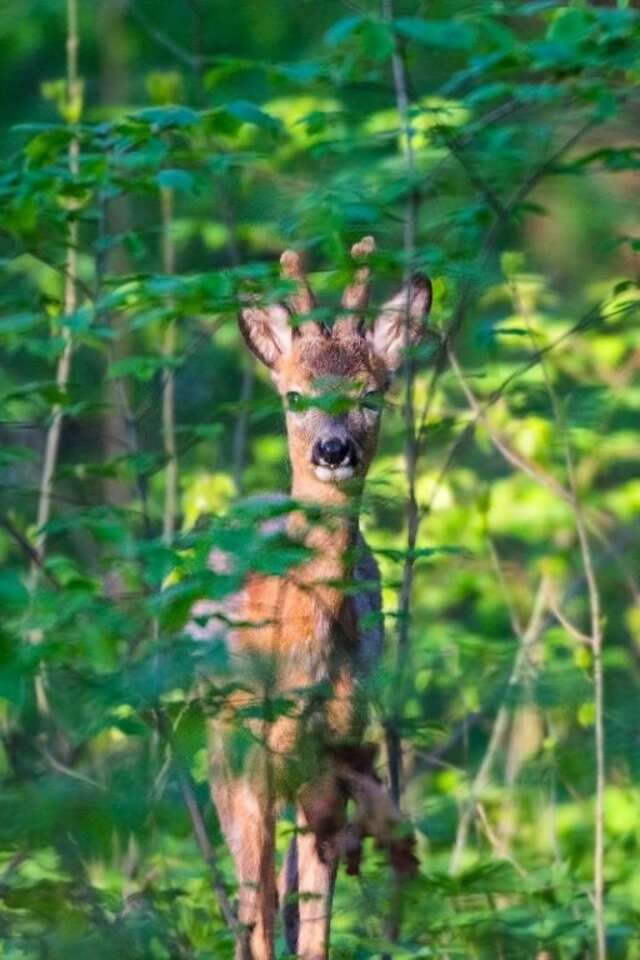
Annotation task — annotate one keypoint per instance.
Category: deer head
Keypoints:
(333, 379)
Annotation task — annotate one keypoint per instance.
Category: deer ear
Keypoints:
(267, 332)
(388, 335)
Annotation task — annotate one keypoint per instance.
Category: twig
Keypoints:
(452, 452)
(515, 458)
(62, 768)
(500, 725)
(496, 842)
(486, 251)
(14, 864)
(518, 460)
(163, 39)
(27, 549)
(547, 167)
(479, 182)
(572, 630)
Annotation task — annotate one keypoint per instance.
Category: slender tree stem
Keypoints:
(596, 642)
(412, 514)
(168, 381)
(52, 442)
(201, 835)
(598, 689)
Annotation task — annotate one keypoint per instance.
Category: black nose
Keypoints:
(333, 452)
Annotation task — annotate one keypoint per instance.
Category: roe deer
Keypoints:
(301, 635)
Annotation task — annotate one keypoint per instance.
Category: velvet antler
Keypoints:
(356, 296)
(302, 302)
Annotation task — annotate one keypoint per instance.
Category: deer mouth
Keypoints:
(334, 474)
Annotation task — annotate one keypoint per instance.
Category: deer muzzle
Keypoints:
(335, 457)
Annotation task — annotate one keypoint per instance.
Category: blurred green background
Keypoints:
(198, 140)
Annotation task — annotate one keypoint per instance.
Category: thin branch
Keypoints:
(457, 445)
(500, 847)
(162, 38)
(515, 458)
(27, 549)
(564, 621)
(62, 768)
(520, 462)
(14, 864)
(547, 167)
(500, 724)
(492, 199)
(488, 246)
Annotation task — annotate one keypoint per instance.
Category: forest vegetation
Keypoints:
(157, 158)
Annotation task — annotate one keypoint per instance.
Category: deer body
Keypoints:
(304, 637)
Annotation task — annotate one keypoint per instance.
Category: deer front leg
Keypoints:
(247, 820)
(321, 819)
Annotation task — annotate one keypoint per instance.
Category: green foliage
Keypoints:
(210, 137)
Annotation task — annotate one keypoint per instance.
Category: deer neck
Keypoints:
(332, 538)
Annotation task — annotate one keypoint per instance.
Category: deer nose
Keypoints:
(333, 452)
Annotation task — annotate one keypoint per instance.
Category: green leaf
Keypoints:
(570, 25)
(166, 117)
(180, 180)
(13, 593)
(18, 322)
(377, 39)
(445, 34)
(339, 32)
(248, 112)
(141, 367)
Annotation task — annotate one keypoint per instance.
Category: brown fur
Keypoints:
(304, 630)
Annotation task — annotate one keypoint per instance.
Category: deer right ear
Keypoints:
(389, 335)
(267, 332)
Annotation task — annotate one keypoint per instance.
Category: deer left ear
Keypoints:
(267, 332)
(388, 335)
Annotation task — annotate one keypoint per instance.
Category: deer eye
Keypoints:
(372, 400)
(294, 400)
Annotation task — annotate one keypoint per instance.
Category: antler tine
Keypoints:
(303, 300)
(356, 295)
